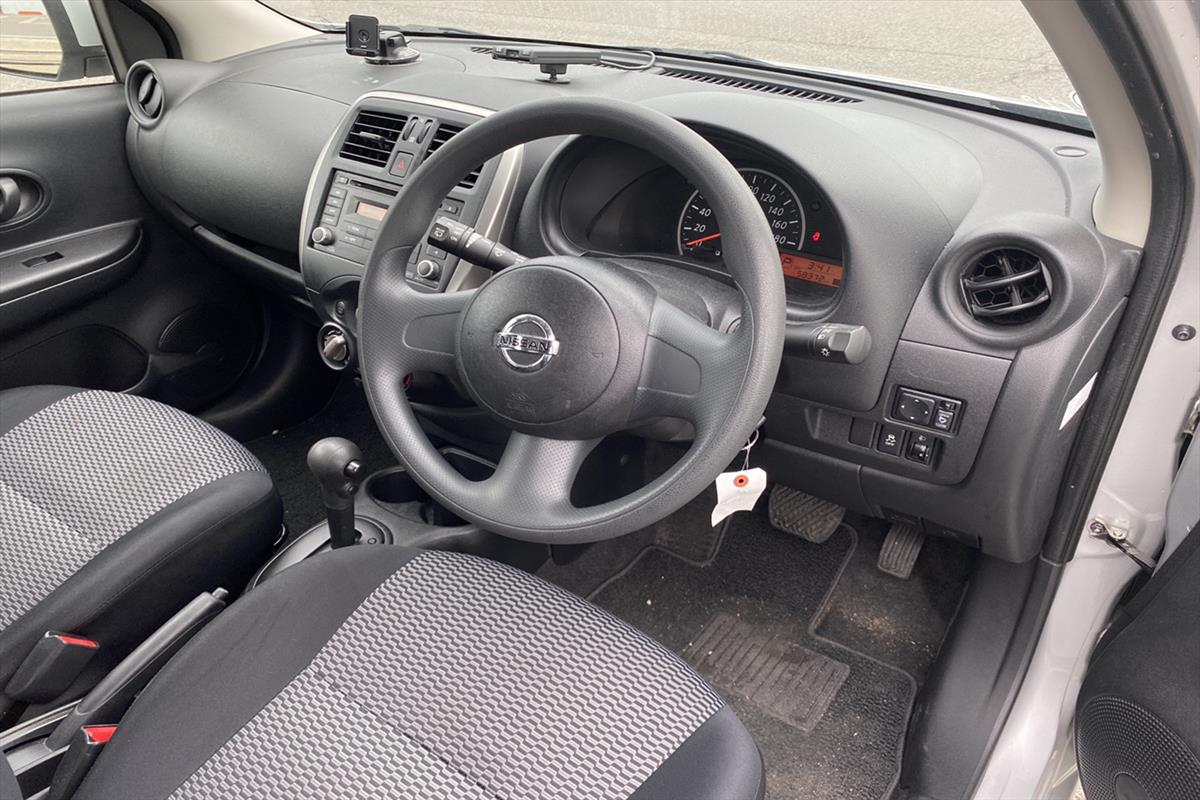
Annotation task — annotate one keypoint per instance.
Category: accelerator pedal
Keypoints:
(803, 515)
(900, 550)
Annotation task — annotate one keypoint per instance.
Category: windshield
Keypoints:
(982, 47)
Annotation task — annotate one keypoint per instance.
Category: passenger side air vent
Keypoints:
(758, 86)
(445, 132)
(372, 137)
(1007, 287)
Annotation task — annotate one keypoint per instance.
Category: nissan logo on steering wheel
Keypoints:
(527, 342)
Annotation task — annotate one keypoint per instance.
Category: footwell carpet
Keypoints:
(830, 720)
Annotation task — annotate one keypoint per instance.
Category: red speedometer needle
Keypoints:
(701, 240)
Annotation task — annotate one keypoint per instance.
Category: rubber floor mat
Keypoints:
(781, 678)
(843, 737)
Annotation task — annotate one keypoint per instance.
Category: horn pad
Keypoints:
(538, 344)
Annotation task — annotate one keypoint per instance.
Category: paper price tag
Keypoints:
(738, 491)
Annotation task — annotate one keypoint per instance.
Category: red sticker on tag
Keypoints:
(740, 481)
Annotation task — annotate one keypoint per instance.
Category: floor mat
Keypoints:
(744, 621)
(284, 453)
(901, 622)
(780, 677)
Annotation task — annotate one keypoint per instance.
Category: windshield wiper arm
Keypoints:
(724, 56)
(407, 30)
(437, 30)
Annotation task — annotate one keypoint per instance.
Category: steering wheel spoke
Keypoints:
(685, 361)
(424, 325)
(535, 474)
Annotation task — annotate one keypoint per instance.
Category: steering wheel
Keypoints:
(564, 350)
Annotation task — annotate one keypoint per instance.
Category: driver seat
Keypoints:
(386, 672)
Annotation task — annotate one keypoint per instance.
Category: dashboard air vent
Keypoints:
(758, 86)
(445, 132)
(149, 97)
(1007, 287)
(372, 137)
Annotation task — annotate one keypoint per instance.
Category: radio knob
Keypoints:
(322, 235)
(429, 270)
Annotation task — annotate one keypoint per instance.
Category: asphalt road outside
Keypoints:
(988, 47)
(28, 43)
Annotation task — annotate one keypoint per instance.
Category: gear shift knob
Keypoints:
(337, 465)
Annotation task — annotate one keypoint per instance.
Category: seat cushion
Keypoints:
(116, 510)
(382, 672)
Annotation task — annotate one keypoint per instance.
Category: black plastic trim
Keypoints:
(1172, 200)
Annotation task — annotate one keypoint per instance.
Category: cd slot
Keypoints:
(374, 187)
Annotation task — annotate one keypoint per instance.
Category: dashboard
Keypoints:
(949, 301)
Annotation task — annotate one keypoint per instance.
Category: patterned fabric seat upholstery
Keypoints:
(389, 673)
(116, 510)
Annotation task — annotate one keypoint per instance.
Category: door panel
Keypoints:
(96, 289)
(1137, 719)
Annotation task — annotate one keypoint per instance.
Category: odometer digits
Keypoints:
(700, 237)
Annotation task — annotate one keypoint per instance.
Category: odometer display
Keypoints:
(809, 269)
(700, 237)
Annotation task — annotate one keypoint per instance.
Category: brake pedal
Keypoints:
(900, 550)
(803, 515)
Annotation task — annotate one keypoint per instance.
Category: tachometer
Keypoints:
(700, 237)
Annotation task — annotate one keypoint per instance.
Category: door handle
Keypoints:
(10, 199)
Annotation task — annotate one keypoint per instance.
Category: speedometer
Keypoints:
(700, 237)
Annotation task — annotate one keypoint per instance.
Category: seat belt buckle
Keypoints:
(51, 667)
(85, 747)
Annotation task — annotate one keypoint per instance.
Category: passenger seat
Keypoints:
(115, 511)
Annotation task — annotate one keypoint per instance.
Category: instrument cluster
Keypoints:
(621, 202)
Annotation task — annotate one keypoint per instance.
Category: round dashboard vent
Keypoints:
(149, 95)
(144, 94)
(1006, 287)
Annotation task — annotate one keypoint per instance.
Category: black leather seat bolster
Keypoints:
(717, 762)
(9, 787)
(225, 528)
(224, 676)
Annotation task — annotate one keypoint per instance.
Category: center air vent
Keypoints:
(1007, 287)
(372, 137)
(445, 132)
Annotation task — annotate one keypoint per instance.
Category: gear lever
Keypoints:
(337, 465)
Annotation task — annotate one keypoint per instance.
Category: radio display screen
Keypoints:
(370, 210)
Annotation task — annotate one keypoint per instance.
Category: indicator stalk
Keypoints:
(465, 242)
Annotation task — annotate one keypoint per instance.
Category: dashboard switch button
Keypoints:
(402, 164)
(920, 448)
(943, 420)
(914, 408)
(891, 440)
(429, 270)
